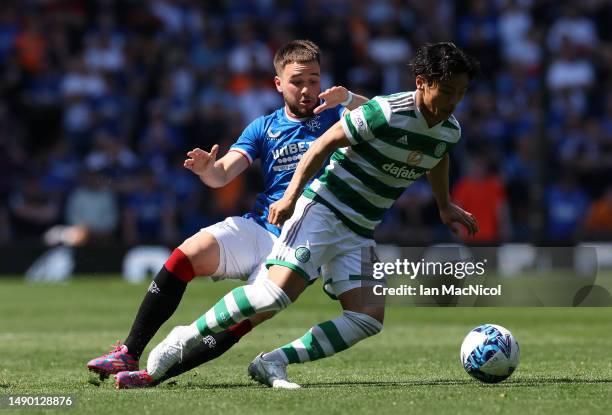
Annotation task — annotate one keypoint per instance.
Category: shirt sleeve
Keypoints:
(365, 122)
(249, 142)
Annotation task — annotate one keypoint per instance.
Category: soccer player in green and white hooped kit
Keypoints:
(378, 150)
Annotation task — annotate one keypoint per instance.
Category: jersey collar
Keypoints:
(293, 119)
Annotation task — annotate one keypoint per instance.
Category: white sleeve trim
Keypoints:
(347, 131)
(244, 153)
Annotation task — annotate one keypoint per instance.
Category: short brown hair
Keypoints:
(296, 51)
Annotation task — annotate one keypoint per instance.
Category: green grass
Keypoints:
(48, 332)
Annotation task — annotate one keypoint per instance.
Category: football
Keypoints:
(490, 353)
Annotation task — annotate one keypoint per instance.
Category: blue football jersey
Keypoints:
(280, 141)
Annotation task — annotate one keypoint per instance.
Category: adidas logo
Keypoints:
(402, 140)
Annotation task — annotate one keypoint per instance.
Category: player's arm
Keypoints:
(215, 173)
(310, 163)
(339, 95)
(449, 212)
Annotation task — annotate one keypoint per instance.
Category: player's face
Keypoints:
(300, 84)
(442, 97)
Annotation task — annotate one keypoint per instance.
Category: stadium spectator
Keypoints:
(103, 54)
(567, 205)
(116, 160)
(149, 214)
(598, 223)
(482, 193)
(31, 44)
(33, 210)
(163, 76)
(92, 205)
(579, 30)
(407, 222)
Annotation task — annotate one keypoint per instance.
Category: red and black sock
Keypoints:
(212, 347)
(160, 301)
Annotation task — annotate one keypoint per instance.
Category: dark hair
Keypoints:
(440, 61)
(298, 51)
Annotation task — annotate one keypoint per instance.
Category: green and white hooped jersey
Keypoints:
(392, 146)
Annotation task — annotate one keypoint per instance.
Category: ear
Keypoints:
(420, 83)
(278, 83)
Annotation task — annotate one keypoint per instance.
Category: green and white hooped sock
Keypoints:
(241, 303)
(328, 338)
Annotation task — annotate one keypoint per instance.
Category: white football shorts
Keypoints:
(315, 238)
(243, 248)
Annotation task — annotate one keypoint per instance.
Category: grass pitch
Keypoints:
(48, 332)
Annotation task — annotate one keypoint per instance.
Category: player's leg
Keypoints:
(217, 344)
(159, 303)
(274, 294)
(285, 283)
(211, 252)
(185, 348)
(198, 255)
(209, 348)
(291, 266)
(214, 346)
(358, 321)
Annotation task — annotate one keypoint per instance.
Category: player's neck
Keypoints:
(292, 117)
(430, 119)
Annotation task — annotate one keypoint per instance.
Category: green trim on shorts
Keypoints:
(357, 277)
(353, 277)
(289, 265)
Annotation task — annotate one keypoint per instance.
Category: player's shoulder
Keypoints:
(400, 103)
(451, 123)
(450, 130)
(269, 119)
(398, 96)
(260, 125)
(400, 100)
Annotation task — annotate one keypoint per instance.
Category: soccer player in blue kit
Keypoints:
(238, 246)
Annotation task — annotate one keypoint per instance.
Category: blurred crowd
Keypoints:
(101, 99)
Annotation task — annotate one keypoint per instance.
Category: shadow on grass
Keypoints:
(393, 384)
(450, 382)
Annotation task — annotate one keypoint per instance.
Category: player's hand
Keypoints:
(201, 162)
(280, 211)
(331, 97)
(452, 215)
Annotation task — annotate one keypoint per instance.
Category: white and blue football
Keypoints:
(490, 353)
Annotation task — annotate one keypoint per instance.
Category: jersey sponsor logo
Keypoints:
(290, 149)
(414, 158)
(285, 167)
(440, 149)
(401, 172)
(287, 157)
(273, 135)
(361, 125)
(302, 254)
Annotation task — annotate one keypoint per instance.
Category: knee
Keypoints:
(370, 322)
(203, 251)
(376, 313)
(263, 295)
